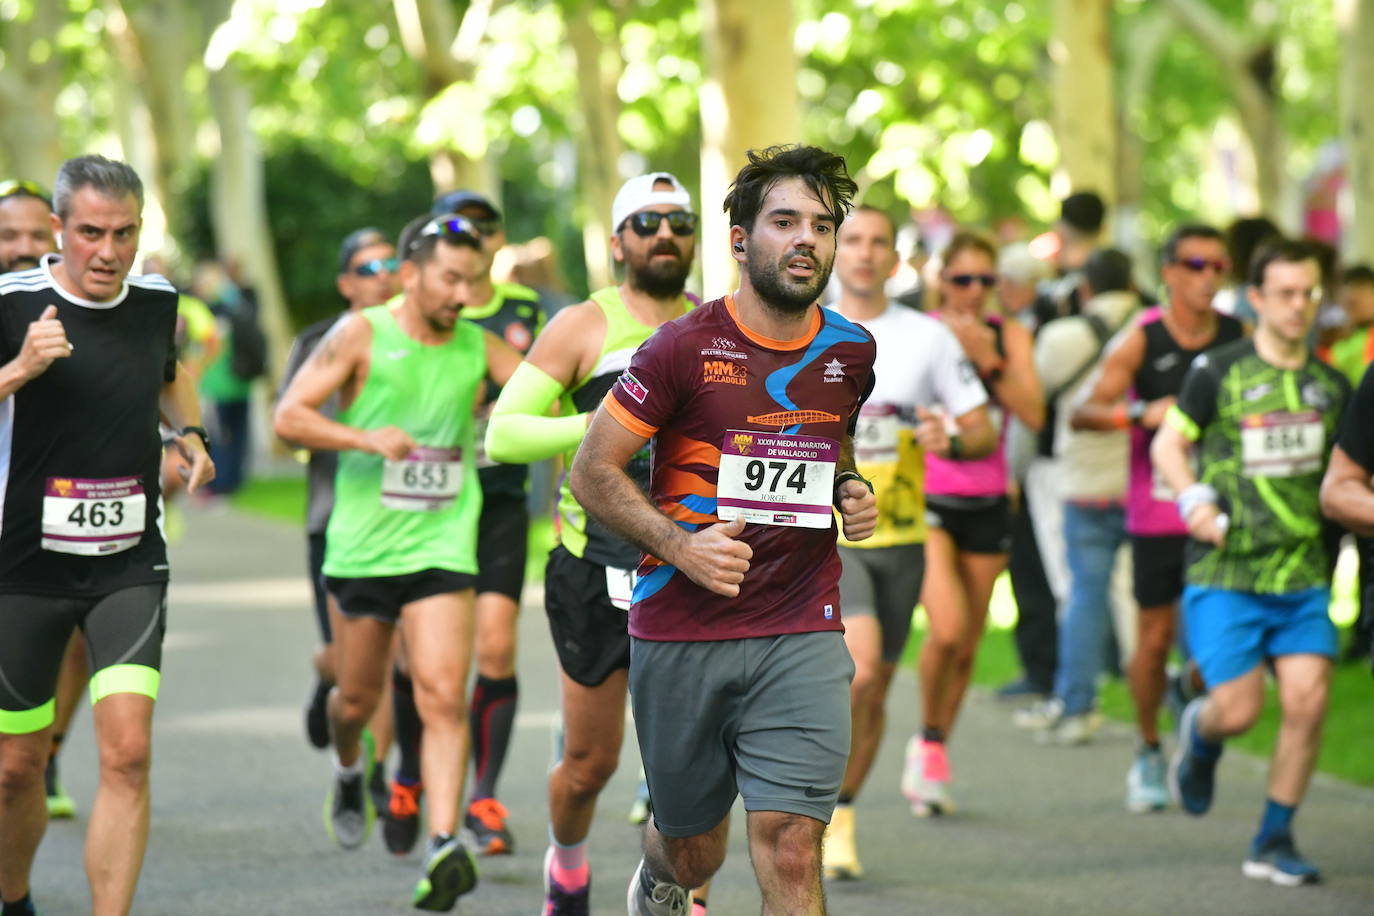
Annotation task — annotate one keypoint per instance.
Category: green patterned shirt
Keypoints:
(1263, 438)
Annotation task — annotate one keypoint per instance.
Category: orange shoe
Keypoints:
(401, 827)
(486, 818)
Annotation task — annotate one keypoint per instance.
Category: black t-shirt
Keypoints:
(1356, 437)
(80, 453)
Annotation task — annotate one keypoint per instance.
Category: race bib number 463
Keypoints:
(1282, 444)
(93, 517)
(772, 479)
(426, 480)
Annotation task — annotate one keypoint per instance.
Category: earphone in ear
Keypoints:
(739, 246)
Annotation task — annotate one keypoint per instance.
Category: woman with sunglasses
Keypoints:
(967, 513)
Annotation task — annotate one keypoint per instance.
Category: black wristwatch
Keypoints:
(199, 431)
(841, 477)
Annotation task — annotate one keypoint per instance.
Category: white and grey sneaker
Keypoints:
(1070, 730)
(1145, 788)
(348, 811)
(656, 898)
(1040, 715)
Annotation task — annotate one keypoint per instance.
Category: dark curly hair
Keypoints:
(824, 172)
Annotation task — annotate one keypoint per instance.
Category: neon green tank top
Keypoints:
(580, 535)
(396, 518)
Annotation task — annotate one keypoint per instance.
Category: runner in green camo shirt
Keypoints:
(1263, 415)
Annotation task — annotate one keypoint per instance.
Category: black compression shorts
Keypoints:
(123, 632)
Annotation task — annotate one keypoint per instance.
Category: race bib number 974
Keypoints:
(93, 517)
(772, 479)
(426, 480)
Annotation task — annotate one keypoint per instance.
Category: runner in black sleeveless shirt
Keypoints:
(88, 370)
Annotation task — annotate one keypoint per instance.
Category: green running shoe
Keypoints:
(450, 871)
(60, 804)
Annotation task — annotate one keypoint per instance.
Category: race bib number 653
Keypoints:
(426, 480)
(772, 479)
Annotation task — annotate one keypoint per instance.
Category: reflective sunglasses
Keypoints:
(970, 279)
(646, 222)
(16, 187)
(376, 266)
(450, 225)
(1198, 265)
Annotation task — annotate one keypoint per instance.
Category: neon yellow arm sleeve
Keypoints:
(520, 431)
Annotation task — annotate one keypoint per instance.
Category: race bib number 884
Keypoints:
(1282, 444)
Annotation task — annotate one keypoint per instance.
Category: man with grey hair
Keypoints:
(80, 543)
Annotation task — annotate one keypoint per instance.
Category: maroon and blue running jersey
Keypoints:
(743, 424)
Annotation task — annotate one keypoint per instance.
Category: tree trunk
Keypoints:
(165, 41)
(31, 147)
(1085, 122)
(1250, 71)
(238, 206)
(748, 101)
(599, 67)
(447, 53)
(1355, 19)
(135, 125)
(1148, 41)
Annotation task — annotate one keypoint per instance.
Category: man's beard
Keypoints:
(659, 279)
(23, 262)
(784, 293)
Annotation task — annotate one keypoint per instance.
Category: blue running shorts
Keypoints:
(1230, 633)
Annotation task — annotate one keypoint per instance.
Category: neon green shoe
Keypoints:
(60, 804)
(450, 872)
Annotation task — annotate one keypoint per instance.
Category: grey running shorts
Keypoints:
(766, 718)
(883, 582)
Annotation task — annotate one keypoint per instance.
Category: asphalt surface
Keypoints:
(238, 794)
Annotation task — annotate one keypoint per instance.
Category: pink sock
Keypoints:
(698, 908)
(569, 866)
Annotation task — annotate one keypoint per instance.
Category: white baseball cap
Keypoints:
(639, 192)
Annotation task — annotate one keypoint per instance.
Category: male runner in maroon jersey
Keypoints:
(739, 673)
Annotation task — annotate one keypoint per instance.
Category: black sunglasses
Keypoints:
(646, 222)
(450, 225)
(1198, 265)
(970, 279)
(376, 266)
(18, 187)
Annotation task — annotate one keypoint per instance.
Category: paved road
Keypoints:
(238, 795)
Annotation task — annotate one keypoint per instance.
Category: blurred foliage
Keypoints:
(313, 205)
(934, 102)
